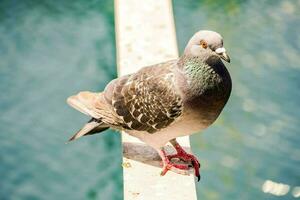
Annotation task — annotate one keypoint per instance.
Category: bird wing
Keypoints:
(146, 100)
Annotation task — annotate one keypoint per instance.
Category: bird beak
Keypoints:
(222, 53)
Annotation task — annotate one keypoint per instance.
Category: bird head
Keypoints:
(206, 45)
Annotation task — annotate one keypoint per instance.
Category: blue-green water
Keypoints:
(52, 49)
(257, 136)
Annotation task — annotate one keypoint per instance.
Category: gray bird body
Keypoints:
(205, 87)
(164, 101)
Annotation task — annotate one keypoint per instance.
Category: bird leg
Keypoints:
(168, 165)
(183, 155)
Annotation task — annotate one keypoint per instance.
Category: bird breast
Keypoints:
(205, 90)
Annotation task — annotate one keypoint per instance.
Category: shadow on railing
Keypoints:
(147, 155)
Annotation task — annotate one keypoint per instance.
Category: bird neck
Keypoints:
(201, 75)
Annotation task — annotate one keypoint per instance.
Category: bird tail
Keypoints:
(85, 102)
(91, 127)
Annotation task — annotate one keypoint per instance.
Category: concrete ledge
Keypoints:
(145, 35)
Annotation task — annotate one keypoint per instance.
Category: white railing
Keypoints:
(145, 35)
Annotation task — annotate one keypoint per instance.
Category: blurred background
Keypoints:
(52, 49)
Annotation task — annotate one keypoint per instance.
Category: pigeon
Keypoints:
(164, 101)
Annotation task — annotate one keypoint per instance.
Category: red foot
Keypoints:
(182, 155)
(167, 165)
(173, 167)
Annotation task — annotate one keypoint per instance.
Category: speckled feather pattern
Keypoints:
(163, 101)
(147, 100)
(144, 101)
(155, 96)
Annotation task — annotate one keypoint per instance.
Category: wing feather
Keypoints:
(144, 101)
(147, 100)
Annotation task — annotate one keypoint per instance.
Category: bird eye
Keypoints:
(203, 43)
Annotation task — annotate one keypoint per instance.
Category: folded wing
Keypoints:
(144, 101)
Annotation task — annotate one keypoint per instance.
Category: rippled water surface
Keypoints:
(52, 49)
(49, 51)
(257, 136)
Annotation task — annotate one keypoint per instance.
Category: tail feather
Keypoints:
(85, 102)
(92, 127)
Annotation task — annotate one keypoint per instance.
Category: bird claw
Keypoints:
(198, 178)
(197, 173)
(193, 164)
(180, 168)
(177, 168)
(182, 155)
